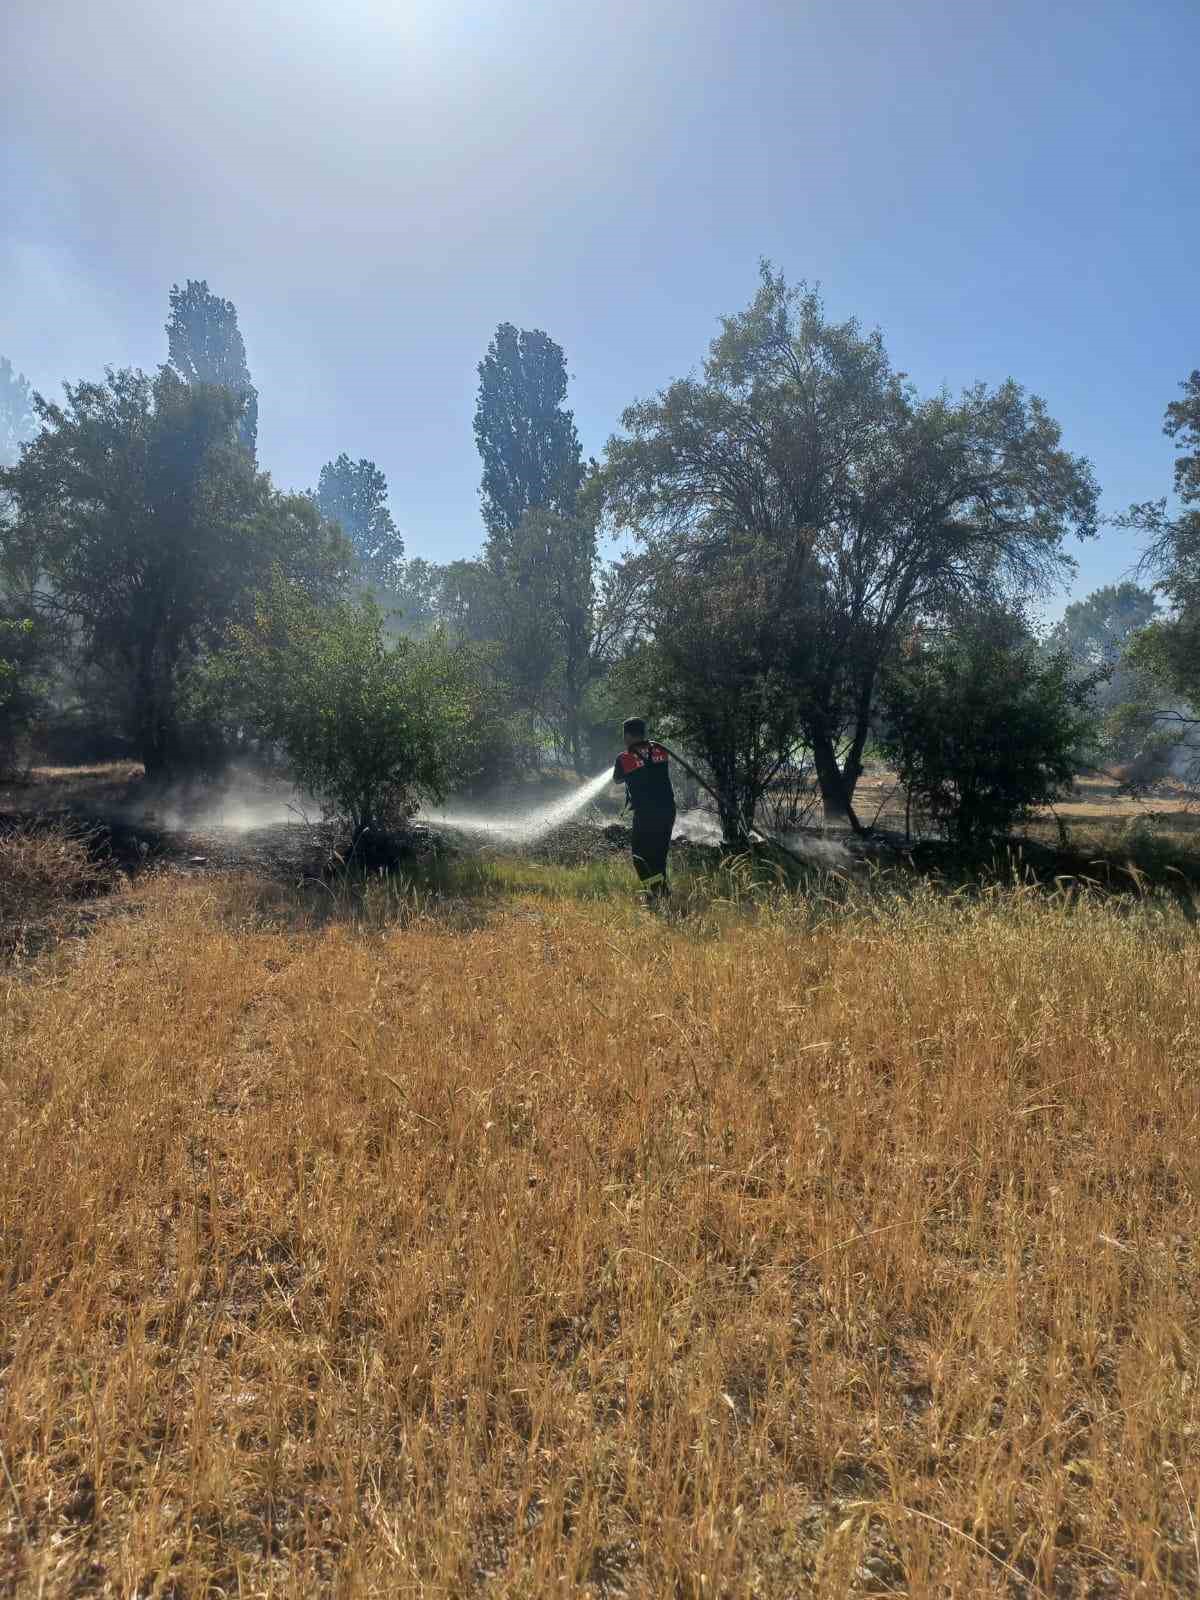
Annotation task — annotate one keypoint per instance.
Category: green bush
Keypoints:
(369, 728)
(981, 726)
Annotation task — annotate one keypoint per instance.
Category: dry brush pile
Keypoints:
(45, 872)
(558, 1250)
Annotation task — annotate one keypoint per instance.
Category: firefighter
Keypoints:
(644, 770)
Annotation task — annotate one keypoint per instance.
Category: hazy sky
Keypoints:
(1005, 188)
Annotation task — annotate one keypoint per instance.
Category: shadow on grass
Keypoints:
(1122, 861)
(1125, 870)
(105, 788)
(463, 892)
(51, 870)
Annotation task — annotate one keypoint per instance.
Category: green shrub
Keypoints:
(981, 726)
(20, 690)
(369, 727)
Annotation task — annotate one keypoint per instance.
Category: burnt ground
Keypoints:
(135, 843)
(136, 846)
(130, 827)
(138, 828)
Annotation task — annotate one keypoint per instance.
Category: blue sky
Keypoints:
(1005, 189)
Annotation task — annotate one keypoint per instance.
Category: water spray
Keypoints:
(534, 824)
(724, 805)
(526, 828)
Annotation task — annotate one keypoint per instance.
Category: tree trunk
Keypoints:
(862, 727)
(733, 827)
(155, 719)
(150, 743)
(154, 751)
(835, 791)
(723, 790)
(837, 784)
(576, 687)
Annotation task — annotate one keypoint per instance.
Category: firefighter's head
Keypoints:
(634, 731)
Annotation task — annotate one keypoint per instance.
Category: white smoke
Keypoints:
(240, 801)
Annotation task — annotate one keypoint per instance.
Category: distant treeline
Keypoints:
(817, 564)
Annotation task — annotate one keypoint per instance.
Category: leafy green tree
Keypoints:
(466, 601)
(719, 669)
(1153, 729)
(1170, 647)
(141, 522)
(354, 494)
(526, 436)
(527, 652)
(23, 664)
(1095, 633)
(800, 435)
(17, 418)
(550, 621)
(1183, 423)
(1163, 658)
(205, 346)
(554, 617)
(415, 597)
(369, 728)
(981, 725)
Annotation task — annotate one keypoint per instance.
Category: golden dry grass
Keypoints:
(44, 873)
(49, 786)
(1095, 803)
(533, 1246)
(96, 772)
(102, 788)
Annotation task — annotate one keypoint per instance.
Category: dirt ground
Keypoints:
(189, 830)
(879, 801)
(140, 829)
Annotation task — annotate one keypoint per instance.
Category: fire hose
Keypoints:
(723, 804)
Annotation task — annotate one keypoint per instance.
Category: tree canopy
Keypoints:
(18, 420)
(801, 435)
(142, 519)
(1183, 423)
(525, 434)
(1095, 631)
(981, 725)
(354, 494)
(1167, 651)
(206, 346)
(721, 668)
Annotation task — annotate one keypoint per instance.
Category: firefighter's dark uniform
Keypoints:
(646, 775)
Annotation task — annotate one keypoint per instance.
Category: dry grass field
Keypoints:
(1097, 801)
(45, 873)
(104, 784)
(497, 1237)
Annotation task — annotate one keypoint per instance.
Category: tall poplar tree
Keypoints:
(206, 346)
(526, 435)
